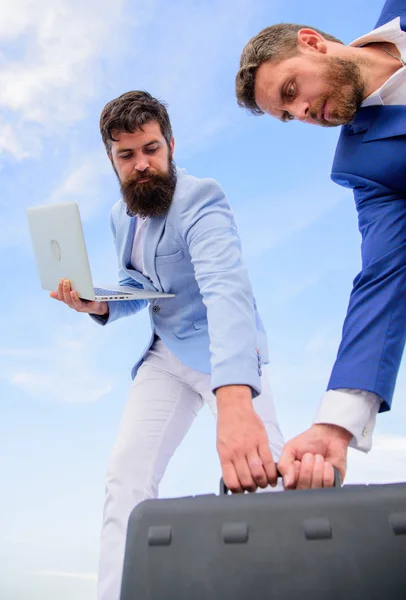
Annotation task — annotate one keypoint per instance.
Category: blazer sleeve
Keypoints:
(374, 331)
(207, 225)
(121, 308)
(391, 10)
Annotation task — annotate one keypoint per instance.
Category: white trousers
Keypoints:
(164, 400)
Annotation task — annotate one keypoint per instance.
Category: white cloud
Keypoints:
(60, 55)
(282, 216)
(308, 368)
(10, 141)
(84, 185)
(188, 65)
(18, 352)
(83, 386)
(63, 369)
(290, 289)
(14, 231)
(16, 541)
(67, 575)
(385, 463)
(324, 342)
(51, 68)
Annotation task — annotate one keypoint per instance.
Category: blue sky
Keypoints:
(63, 379)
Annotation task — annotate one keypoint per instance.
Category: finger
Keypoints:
(257, 469)
(295, 477)
(86, 306)
(328, 475)
(76, 301)
(318, 472)
(79, 304)
(268, 463)
(60, 290)
(54, 295)
(297, 464)
(306, 472)
(286, 467)
(66, 293)
(244, 474)
(230, 478)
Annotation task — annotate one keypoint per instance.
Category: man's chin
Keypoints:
(330, 124)
(336, 121)
(147, 210)
(138, 211)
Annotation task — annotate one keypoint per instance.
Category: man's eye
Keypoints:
(151, 150)
(290, 92)
(287, 117)
(125, 156)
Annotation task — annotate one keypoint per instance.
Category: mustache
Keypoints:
(134, 178)
(315, 110)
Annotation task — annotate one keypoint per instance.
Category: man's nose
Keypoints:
(301, 111)
(141, 164)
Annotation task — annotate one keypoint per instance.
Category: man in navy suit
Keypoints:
(296, 72)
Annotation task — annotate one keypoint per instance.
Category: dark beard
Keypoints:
(347, 90)
(152, 198)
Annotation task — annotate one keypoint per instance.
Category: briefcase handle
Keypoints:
(337, 481)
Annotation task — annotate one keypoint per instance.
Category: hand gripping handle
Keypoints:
(337, 481)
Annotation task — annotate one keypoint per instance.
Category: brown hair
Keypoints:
(272, 43)
(129, 112)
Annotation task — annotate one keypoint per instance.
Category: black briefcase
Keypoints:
(327, 544)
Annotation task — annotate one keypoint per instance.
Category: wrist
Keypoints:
(338, 432)
(233, 396)
(102, 310)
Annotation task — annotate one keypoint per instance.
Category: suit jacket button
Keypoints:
(156, 309)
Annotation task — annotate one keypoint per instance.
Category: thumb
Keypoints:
(286, 466)
(339, 461)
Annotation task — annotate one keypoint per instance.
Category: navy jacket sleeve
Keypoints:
(374, 331)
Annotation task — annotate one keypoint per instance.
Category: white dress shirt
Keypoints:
(137, 255)
(356, 410)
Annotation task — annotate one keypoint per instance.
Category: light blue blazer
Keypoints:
(212, 324)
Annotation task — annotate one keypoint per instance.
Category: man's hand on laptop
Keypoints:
(71, 298)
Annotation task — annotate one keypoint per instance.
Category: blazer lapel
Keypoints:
(378, 122)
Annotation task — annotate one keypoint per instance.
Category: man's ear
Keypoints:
(310, 40)
(172, 145)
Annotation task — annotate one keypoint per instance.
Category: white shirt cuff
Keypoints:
(354, 410)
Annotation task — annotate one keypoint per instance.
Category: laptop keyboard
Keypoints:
(102, 292)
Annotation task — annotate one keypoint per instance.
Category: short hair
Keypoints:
(129, 112)
(273, 43)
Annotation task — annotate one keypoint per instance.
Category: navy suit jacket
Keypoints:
(371, 159)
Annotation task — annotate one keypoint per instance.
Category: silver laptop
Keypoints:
(60, 253)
